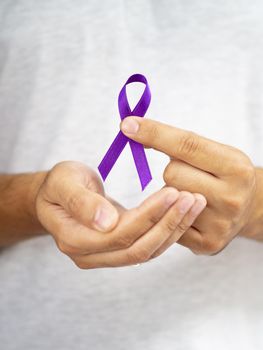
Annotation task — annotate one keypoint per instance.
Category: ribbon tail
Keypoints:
(141, 163)
(112, 154)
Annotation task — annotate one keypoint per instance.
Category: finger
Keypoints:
(83, 204)
(71, 237)
(198, 151)
(191, 239)
(135, 222)
(199, 240)
(200, 244)
(79, 239)
(208, 216)
(188, 220)
(185, 177)
(146, 245)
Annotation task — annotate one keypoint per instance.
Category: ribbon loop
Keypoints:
(121, 140)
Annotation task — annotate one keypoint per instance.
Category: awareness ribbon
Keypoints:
(121, 140)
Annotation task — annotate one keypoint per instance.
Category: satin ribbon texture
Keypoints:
(121, 140)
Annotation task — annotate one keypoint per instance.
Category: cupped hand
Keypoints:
(95, 231)
(223, 174)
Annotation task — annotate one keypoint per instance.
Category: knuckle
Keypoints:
(58, 169)
(65, 164)
(155, 255)
(244, 168)
(58, 166)
(81, 264)
(223, 228)
(67, 249)
(196, 252)
(63, 247)
(131, 257)
(168, 174)
(140, 255)
(153, 220)
(248, 174)
(172, 225)
(189, 144)
(121, 241)
(182, 227)
(212, 246)
(233, 204)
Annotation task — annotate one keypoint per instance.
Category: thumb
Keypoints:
(77, 189)
(91, 209)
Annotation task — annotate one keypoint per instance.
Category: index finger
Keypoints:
(196, 150)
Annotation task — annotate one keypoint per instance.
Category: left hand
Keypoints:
(223, 174)
(70, 198)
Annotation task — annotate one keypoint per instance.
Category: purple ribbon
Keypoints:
(121, 140)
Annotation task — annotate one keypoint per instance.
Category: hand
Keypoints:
(94, 233)
(223, 174)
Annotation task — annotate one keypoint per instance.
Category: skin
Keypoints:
(225, 175)
(95, 231)
(92, 229)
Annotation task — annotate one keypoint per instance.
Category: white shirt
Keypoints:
(62, 64)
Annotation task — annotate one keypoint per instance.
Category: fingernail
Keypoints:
(185, 203)
(104, 218)
(129, 126)
(171, 198)
(198, 207)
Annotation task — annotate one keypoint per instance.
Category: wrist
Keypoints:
(254, 227)
(18, 219)
(35, 180)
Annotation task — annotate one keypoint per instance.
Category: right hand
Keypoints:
(97, 232)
